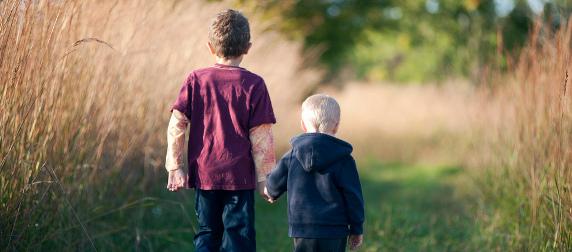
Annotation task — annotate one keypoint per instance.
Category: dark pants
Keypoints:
(321, 245)
(226, 219)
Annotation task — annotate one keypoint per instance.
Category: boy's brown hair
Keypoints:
(229, 34)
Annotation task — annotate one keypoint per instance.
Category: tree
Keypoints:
(414, 40)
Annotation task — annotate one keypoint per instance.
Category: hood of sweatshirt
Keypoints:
(317, 151)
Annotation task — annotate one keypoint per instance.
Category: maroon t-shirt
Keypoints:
(222, 104)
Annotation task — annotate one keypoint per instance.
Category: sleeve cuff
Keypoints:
(356, 228)
(175, 167)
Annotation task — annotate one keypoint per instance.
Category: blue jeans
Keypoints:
(226, 219)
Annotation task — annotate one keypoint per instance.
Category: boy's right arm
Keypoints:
(277, 180)
(262, 148)
(350, 186)
(175, 149)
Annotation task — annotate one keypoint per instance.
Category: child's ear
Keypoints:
(335, 129)
(247, 48)
(211, 48)
(303, 126)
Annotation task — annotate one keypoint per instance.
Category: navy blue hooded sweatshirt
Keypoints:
(324, 190)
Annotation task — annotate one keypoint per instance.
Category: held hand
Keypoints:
(177, 180)
(355, 241)
(264, 192)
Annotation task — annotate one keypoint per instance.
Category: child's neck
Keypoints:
(230, 62)
(315, 131)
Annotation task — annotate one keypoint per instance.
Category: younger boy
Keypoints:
(231, 117)
(320, 175)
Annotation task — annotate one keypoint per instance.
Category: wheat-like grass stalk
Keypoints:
(529, 158)
(87, 87)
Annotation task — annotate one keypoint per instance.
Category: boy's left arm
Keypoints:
(262, 147)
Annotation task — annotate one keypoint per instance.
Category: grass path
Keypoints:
(417, 208)
(408, 208)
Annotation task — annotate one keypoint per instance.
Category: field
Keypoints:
(86, 88)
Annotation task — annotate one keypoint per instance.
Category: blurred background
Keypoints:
(457, 110)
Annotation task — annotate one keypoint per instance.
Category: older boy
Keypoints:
(320, 175)
(230, 147)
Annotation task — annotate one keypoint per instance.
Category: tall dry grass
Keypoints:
(525, 155)
(86, 88)
(429, 123)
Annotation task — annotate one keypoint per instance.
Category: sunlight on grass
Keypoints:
(417, 207)
(408, 208)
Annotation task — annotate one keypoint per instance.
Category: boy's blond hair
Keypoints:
(229, 34)
(321, 112)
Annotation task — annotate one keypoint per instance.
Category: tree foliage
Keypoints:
(409, 41)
